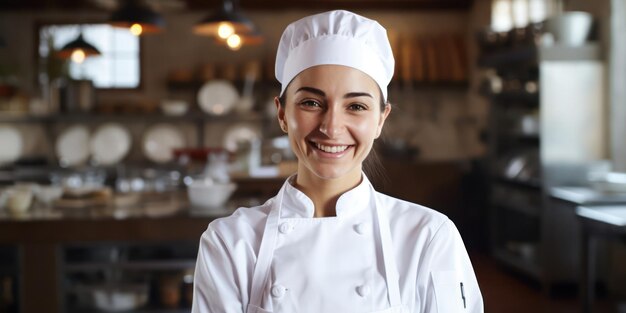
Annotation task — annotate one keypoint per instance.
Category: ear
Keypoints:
(383, 117)
(280, 114)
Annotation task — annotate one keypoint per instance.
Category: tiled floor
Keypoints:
(504, 292)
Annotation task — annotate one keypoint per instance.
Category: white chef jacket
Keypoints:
(336, 264)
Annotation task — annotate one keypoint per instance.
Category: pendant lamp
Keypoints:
(138, 17)
(224, 23)
(236, 41)
(78, 49)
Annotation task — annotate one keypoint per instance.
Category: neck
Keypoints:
(325, 192)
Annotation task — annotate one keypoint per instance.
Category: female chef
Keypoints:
(328, 242)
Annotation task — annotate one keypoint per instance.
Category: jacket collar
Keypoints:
(298, 205)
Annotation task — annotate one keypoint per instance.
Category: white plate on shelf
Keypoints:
(160, 140)
(110, 144)
(238, 134)
(217, 97)
(72, 146)
(11, 143)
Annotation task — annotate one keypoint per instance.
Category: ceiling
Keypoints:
(181, 5)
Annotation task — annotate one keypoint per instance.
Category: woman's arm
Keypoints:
(446, 279)
(216, 283)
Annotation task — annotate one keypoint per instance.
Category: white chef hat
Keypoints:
(336, 37)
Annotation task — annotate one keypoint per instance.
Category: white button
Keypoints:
(285, 228)
(278, 291)
(360, 228)
(363, 290)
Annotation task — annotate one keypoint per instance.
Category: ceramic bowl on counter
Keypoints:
(570, 28)
(117, 298)
(174, 107)
(46, 195)
(207, 194)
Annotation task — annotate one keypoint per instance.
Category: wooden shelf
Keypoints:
(133, 265)
(152, 117)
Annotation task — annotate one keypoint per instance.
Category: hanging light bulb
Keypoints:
(138, 17)
(78, 56)
(136, 29)
(249, 39)
(78, 49)
(225, 30)
(234, 42)
(227, 14)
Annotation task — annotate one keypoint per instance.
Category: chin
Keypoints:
(331, 172)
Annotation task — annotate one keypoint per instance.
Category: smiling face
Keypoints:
(332, 114)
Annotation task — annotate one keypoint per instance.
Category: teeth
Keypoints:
(331, 149)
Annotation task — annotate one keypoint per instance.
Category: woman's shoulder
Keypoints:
(410, 215)
(245, 223)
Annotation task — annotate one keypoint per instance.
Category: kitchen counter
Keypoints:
(586, 195)
(41, 237)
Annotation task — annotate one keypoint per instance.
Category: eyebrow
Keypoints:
(323, 94)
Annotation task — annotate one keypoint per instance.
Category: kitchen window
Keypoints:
(118, 66)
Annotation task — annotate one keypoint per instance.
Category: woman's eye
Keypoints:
(357, 107)
(310, 103)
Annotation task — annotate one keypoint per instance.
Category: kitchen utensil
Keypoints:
(19, 200)
(80, 96)
(217, 97)
(116, 298)
(159, 142)
(46, 195)
(174, 107)
(12, 144)
(110, 143)
(72, 146)
(170, 291)
(207, 194)
(570, 28)
(240, 134)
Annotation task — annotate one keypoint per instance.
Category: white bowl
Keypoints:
(206, 195)
(111, 298)
(570, 28)
(174, 107)
(48, 194)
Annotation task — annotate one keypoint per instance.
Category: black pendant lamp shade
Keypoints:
(226, 14)
(78, 44)
(135, 12)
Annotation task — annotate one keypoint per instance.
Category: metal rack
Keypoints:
(524, 227)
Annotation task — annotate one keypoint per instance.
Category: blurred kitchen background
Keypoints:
(126, 126)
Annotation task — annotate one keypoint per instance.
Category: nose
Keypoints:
(332, 124)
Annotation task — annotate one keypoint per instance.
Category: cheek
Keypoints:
(365, 130)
